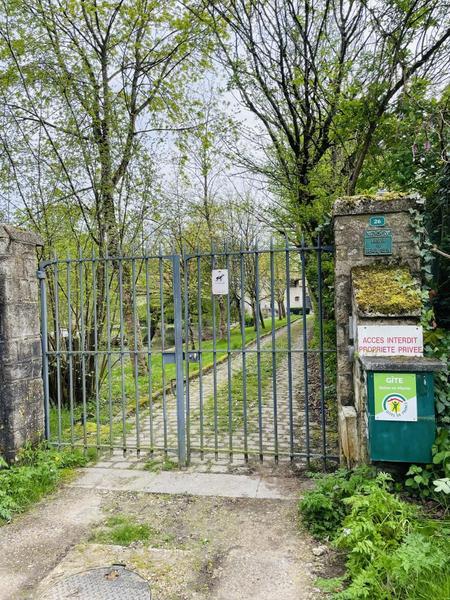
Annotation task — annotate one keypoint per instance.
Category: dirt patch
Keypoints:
(35, 542)
(206, 548)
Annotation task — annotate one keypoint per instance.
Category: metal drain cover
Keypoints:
(105, 583)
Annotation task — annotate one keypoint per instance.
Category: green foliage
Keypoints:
(323, 509)
(156, 466)
(377, 522)
(430, 481)
(437, 222)
(406, 570)
(392, 551)
(36, 473)
(330, 585)
(437, 345)
(122, 530)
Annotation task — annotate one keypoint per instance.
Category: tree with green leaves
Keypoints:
(87, 85)
(320, 76)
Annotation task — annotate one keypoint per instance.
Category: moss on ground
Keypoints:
(388, 290)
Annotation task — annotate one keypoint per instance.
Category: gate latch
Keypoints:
(191, 356)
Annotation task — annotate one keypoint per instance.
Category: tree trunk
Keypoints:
(222, 323)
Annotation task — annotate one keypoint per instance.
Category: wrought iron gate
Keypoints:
(143, 353)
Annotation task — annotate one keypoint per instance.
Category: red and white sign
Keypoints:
(384, 340)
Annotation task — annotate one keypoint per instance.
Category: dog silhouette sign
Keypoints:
(220, 282)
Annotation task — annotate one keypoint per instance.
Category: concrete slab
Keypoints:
(195, 484)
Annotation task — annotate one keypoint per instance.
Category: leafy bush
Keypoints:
(323, 509)
(393, 552)
(37, 472)
(249, 321)
(431, 481)
(377, 522)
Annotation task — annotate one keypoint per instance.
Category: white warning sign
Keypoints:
(387, 340)
(220, 282)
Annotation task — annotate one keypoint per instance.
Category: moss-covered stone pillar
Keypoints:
(353, 219)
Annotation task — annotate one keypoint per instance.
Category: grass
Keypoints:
(157, 465)
(102, 435)
(95, 436)
(123, 531)
(331, 585)
(37, 472)
(157, 371)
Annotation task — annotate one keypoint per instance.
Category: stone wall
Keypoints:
(351, 218)
(21, 392)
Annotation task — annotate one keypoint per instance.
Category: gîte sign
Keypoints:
(395, 396)
(384, 340)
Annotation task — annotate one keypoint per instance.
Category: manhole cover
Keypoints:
(106, 583)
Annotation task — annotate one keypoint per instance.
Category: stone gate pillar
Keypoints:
(357, 244)
(21, 394)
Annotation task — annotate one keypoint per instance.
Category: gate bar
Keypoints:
(178, 330)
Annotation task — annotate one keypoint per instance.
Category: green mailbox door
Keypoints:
(401, 416)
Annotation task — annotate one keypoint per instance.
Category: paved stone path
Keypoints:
(274, 434)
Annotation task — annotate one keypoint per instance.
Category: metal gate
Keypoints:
(201, 355)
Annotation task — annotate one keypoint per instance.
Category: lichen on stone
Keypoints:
(386, 290)
(383, 197)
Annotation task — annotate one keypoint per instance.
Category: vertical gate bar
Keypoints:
(97, 391)
(213, 299)
(82, 347)
(149, 350)
(244, 355)
(274, 354)
(57, 346)
(321, 352)
(187, 324)
(305, 350)
(178, 326)
(70, 345)
(230, 398)
(122, 367)
(135, 356)
(258, 353)
(108, 350)
(200, 365)
(163, 347)
(44, 345)
(289, 348)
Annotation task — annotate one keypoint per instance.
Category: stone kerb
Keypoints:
(21, 394)
(351, 220)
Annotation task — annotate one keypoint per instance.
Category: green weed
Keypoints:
(157, 465)
(36, 473)
(330, 585)
(123, 531)
(323, 509)
(393, 551)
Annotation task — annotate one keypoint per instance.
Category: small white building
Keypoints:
(295, 299)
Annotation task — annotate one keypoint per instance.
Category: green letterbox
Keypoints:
(401, 416)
